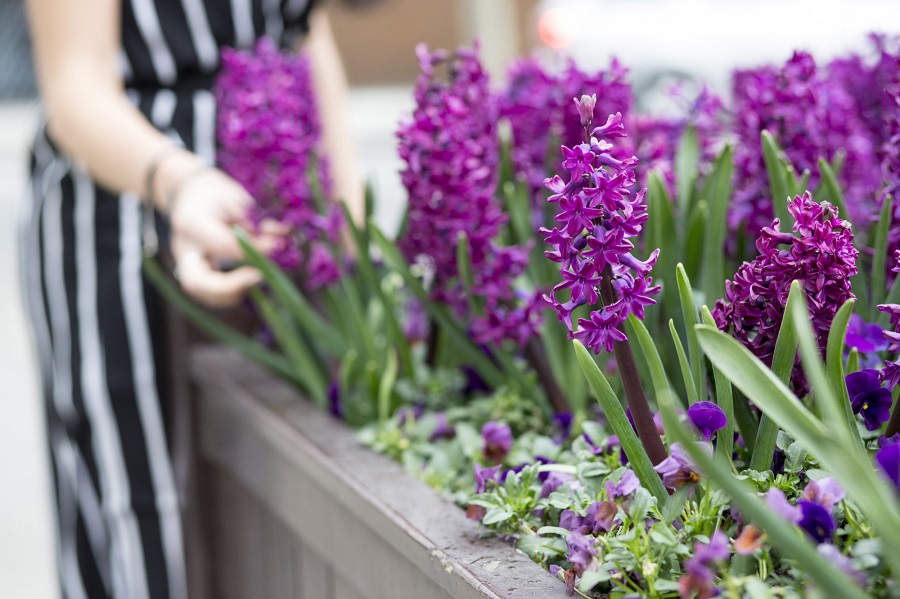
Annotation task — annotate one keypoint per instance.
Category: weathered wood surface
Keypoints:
(296, 507)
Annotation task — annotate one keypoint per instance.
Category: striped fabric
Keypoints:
(96, 321)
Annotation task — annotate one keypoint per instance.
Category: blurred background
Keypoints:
(661, 41)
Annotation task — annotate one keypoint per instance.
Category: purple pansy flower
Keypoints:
(442, 428)
(816, 521)
(498, 440)
(707, 417)
(554, 481)
(825, 492)
(678, 469)
(841, 562)
(865, 336)
(483, 475)
(581, 552)
(624, 488)
(888, 461)
(777, 501)
(699, 575)
(868, 398)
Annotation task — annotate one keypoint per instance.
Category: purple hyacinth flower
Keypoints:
(498, 440)
(483, 475)
(865, 337)
(825, 492)
(625, 488)
(586, 109)
(888, 461)
(777, 501)
(678, 469)
(581, 552)
(868, 398)
(816, 521)
(707, 417)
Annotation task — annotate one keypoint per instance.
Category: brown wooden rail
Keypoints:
(288, 504)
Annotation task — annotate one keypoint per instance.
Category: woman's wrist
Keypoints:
(173, 171)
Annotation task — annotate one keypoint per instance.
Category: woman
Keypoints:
(125, 159)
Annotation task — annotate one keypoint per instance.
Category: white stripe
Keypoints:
(204, 42)
(138, 330)
(125, 536)
(163, 108)
(148, 23)
(274, 19)
(70, 461)
(242, 15)
(70, 573)
(295, 8)
(205, 125)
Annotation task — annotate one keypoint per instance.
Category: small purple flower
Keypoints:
(498, 440)
(888, 461)
(334, 400)
(582, 551)
(816, 521)
(841, 562)
(778, 503)
(707, 417)
(885, 441)
(442, 428)
(484, 475)
(678, 469)
(699, 575)
(825, 492)
(865, 337)
(586, 109)
(600, 517)
(554, 481)
(868, 398)
(625, 488)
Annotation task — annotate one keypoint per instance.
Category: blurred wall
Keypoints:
(377, 42)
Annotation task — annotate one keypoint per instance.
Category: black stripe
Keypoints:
(177, 34)
(90, 574)
(135, 47)
(120, 383)
(220, 21)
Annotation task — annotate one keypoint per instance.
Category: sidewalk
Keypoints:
(27, 563)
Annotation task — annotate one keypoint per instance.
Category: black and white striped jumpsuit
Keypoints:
(96, 320)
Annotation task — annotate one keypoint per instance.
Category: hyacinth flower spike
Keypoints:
(599, 215)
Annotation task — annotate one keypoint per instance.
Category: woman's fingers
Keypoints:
(211, 287)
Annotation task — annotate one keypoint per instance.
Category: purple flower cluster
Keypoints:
(269, 135)
(812, 116)
(820, 254)
(813, 511)
(699, 574)
(599, 216)
(451, 150)
(535, 103)
(656, 139)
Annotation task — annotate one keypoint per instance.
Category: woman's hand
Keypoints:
(204, 208)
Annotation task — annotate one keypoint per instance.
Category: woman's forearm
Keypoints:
(330, 85)
(76, 52)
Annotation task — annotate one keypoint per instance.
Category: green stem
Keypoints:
(631, 383)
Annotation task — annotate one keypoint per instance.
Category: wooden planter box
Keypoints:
(290, 504)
